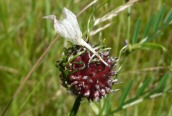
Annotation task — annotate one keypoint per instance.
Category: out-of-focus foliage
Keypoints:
(146, 62)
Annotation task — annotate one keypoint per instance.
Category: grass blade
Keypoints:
(136, 33)
(170, 111)
(162, 83)
(152, 37)
(47, 11)
(143, 87)
(125, 93)
(168, 18)
(149, 25)
(107, 107)
(159, 18)
(154, 46)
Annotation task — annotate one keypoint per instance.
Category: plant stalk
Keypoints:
(76, 106)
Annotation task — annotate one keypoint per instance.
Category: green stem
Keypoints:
(76, 106)
(129, 24)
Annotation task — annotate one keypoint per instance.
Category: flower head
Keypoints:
(85, 75)
(69, 28)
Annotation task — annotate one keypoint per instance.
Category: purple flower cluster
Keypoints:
(82, 73)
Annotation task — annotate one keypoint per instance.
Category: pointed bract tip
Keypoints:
(52, 17)
(64, 8)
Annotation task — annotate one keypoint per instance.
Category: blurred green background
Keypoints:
(24, 36)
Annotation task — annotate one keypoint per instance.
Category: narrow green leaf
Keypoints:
(152, 37)
(136, 33)
(107, 107)
(95, 108)
(161, 107)
(125, 93)
(162, 83)
(157, 28)
(90, 22)
(136, 111)
(154, 46)
(159, 18)
(149, 25)
(168, 18)
(47, 10)
(147, 46)
(143, 87)
(170, 111)
(30, 95)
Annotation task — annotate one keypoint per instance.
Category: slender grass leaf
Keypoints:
(157, 28)
(160, 87)
(94, 108)
(129, 23)
(90, 22)
(136, 33)
(102, 107)
(154, 46)
(125, 93)
(107, 107)
(15, 107)
(161, 106)
(149, 25)
(143, 87)
(136, 46)
(160, 17)
(170, 111)
(147, 46)
(162, 83)
(132, 103)
(152, 37)
(47, 10)
(28, 97)
(136, 111)
(4, 16)
(168, 18)
(102, 4)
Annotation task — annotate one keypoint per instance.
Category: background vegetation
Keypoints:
(145, 87)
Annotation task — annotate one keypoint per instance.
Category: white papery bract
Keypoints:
(69, 28)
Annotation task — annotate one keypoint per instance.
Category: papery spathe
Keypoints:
(69, 28)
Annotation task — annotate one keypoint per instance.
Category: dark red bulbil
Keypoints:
(84, 74)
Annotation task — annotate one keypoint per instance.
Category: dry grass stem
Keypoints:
(85, 8)
(92, 33)
(9, 69)
(115, 12)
